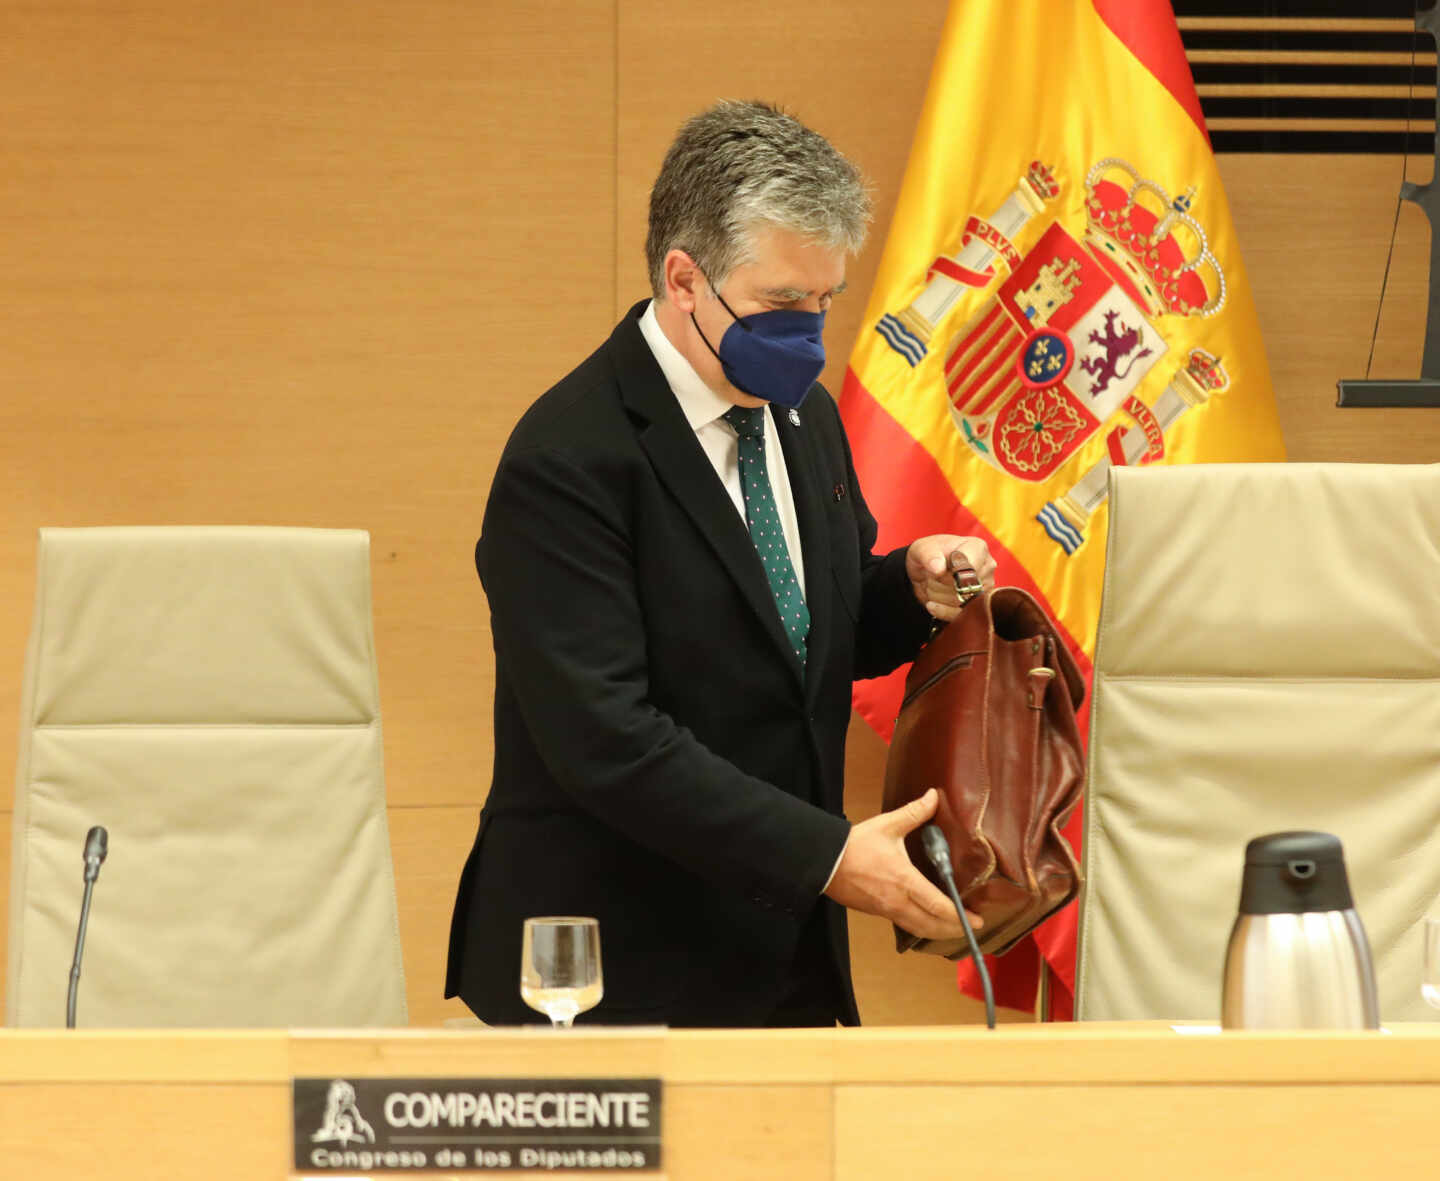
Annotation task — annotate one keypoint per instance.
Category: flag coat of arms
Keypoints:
(1061, 291)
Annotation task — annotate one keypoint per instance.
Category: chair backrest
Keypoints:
(209, 696)
(1268, 658)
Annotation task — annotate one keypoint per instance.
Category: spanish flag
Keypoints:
(1061, 291)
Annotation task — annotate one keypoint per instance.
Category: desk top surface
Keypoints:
(1060, 1054)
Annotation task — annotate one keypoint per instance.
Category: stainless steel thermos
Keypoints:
(1298, 957)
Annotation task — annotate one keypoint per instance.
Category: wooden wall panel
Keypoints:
(308, 264)
(300, 264)
(43, 1126)
(6, 820)
(1315, 231)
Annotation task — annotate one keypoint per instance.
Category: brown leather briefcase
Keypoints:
(989, 718)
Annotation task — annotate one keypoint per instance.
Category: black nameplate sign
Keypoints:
(367, 1125)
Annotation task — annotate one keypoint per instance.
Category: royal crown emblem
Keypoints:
(1162, 249)
(1058, 351)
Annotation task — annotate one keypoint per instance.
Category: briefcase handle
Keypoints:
(967, 582)
(967, 585)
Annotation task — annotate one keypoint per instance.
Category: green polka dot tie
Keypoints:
(763, 519)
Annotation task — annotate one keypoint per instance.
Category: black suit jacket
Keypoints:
(662, 760)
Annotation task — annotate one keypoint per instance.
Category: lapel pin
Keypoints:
(838, 492)
(794, 418)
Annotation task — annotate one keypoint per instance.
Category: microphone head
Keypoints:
(937, 848)
(97, 844)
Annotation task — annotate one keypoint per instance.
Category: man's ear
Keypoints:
(682, 281)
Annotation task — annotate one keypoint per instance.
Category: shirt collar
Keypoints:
(698, 402)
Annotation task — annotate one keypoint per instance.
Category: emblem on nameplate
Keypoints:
(466, 1125)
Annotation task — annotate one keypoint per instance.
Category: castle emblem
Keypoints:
(1059, 350)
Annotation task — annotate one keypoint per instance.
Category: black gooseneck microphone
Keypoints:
(97, 844)
(937, 848)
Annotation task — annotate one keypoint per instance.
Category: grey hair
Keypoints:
(741, 166)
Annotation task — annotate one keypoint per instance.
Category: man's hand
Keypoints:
(875, 875)
(929, 564)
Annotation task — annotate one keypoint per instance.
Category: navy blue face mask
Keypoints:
(775, 355)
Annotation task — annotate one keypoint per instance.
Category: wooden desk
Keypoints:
(1082, 1101)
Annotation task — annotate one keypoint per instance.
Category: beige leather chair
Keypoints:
(209, 696)
(1268, 658)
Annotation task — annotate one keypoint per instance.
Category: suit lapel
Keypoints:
(683, 467)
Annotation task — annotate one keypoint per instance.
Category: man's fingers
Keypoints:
(929, 899)
(908, 817)
(930, 914)
(930, 556)
(941, 599)
(977, 553)
(942, 589)
(875, 874)
(937, 903)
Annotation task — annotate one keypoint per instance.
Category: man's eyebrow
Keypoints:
(794, 294)
(784, 294)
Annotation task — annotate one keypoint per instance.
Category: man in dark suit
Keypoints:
(682, 591)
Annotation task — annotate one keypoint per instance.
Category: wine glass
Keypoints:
(560, 967)
(1430, 982)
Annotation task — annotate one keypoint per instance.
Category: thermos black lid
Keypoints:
(1294, 873)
